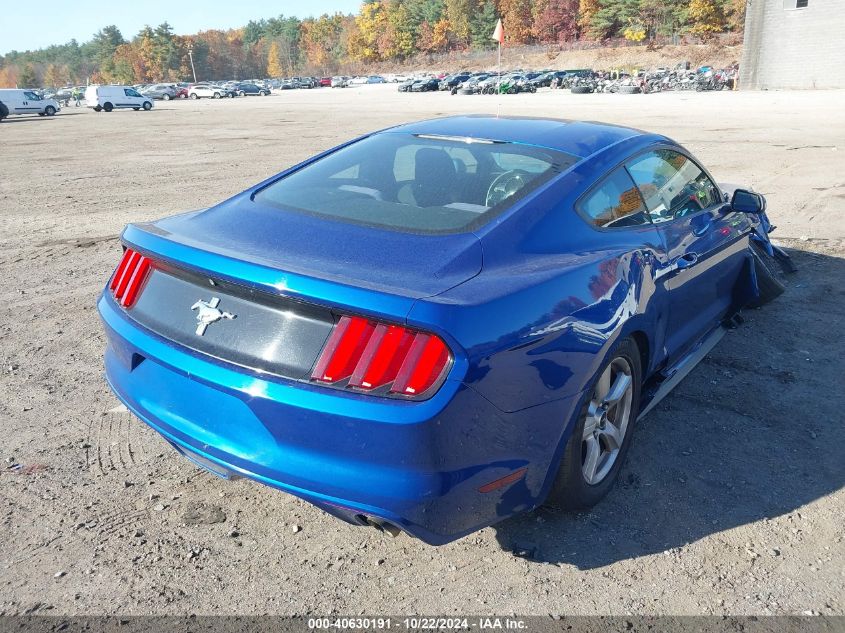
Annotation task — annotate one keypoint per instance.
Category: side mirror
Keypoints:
(746, 201)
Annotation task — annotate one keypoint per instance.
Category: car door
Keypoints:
(29, 104)
(705, 243)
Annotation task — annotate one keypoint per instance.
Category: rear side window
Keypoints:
(672, 185)
(615, 203)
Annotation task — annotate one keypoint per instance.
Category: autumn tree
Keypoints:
(555, 20)
(587, 9)
(321, 41)
(8, 77)
(56, 75)
(274, 63)
(459, 13)
(517, 20)
(705, 17)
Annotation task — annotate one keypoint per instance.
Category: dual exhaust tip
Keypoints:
(385, 527)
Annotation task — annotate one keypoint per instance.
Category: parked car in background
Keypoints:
(425, 85)
(247, 90)
(181, 92)
(325, 82)
(340, 82)
(19, 101)
(165, 92)
(108, 98)
(203, 90)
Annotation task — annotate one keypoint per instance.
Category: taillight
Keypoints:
(369, 355)
(130, 275)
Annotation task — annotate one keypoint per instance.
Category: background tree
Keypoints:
(706, 17)
(459, 13)
(482, 24)
(516, 20)
(105, 43)
(274, 62)
(555, 20)
(587, 9)
(27, 77)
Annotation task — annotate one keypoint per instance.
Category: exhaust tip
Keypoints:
(381, 525)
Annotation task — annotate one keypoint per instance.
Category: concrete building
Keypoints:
(793, 44)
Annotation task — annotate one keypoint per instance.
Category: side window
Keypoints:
(615, 203)
(672, 185)
(131, 92)
(32, 96)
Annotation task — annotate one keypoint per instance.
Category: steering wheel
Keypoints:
(505, 185)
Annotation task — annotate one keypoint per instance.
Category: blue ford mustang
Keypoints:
(439, 325)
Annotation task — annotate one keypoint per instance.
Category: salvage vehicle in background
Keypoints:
(19, 101)
(165, 92)
(108, 98)
(335, 332)
(247, 89)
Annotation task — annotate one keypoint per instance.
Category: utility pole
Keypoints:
(191, 56)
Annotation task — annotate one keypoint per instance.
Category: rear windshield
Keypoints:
(417, 183)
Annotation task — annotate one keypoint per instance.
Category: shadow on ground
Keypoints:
(755, 431)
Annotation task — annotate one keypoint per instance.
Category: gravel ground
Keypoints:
(731, 501)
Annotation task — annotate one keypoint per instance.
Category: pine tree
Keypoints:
(482, 25)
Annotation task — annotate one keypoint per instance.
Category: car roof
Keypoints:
(578, 138)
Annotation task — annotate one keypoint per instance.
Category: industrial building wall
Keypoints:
(788, 45)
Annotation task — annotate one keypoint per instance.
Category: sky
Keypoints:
(28, 25)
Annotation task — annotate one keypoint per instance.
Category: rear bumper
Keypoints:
(418, 465)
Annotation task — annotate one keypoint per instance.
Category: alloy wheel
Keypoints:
(608, 416)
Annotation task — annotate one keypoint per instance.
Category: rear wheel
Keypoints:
(602, 435)
(166, 97)
(769, 276)
(216, 95)
(107, 106)
(97, 109)
(194, 96)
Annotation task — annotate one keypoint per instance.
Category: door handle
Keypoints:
(681, 263)
(686, 261)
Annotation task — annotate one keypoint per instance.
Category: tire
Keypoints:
(49, 110)
(571, 489)
(216, 95)
(107, 106)
(768, 274)
(166, 97)
(580, 90)
(147, 106)
(136, 109)
(194, 96)
(262, 94)
(97, 109)
(629, 90)
(241, 94)
(465, 91)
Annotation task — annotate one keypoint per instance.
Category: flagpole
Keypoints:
(499, 82)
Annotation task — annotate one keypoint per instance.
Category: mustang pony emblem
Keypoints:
(208, 314)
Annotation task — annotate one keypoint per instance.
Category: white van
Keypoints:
(28, 102)
(109, 98)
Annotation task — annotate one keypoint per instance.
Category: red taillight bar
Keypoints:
(129, 277)
(372, 355)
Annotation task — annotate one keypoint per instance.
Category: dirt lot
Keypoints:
(732, 499)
